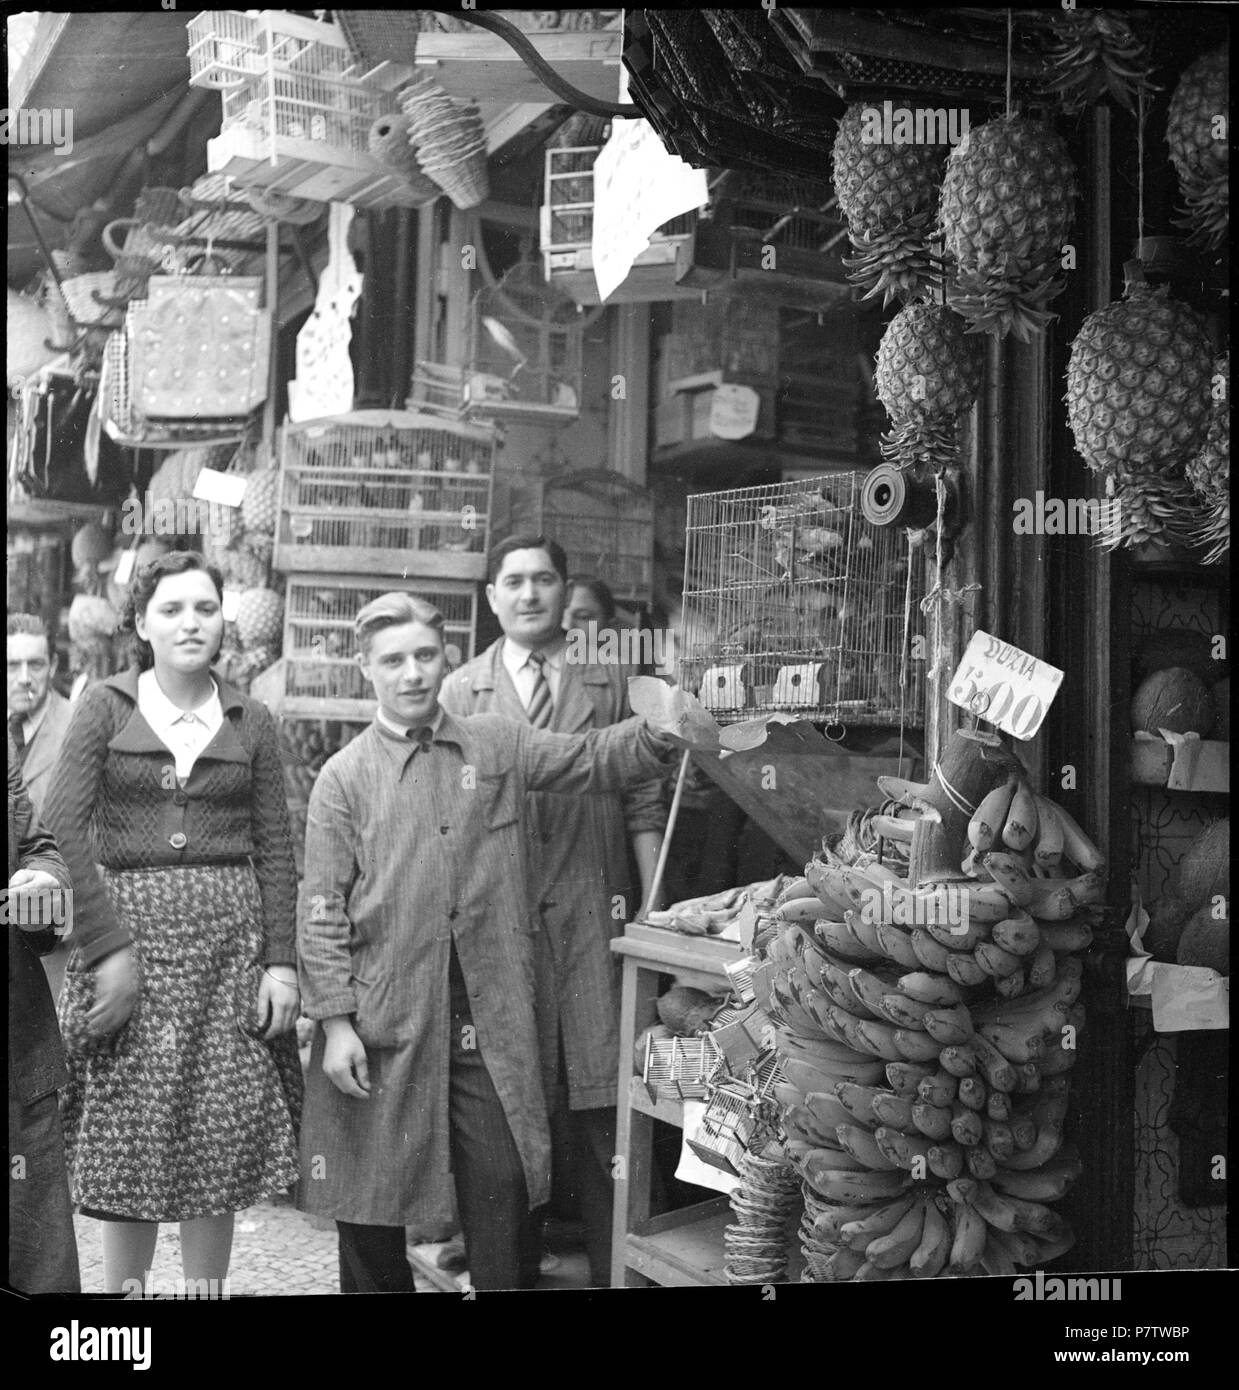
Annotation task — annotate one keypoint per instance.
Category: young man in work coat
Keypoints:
(416, 954)
(578, 864)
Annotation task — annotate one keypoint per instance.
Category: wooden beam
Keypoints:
(481, 66)
(504, 122)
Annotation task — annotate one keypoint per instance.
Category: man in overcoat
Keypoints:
(416, 952)
(42, 1246)
(38, 719)
(578, 863)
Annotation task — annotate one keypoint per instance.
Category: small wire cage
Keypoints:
(740, 973)
(729, 1125)
(795, 604)
(679, 1068)
(525, 349)
(321, 677)
(387, 492)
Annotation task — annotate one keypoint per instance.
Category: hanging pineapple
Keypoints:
(1094, 54)
(1138, 405)
(928, 373)
(1196, 131)
(887, 192)
(1005, 213)
(1209, 471)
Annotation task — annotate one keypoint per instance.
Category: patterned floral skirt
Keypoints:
(182, 1113)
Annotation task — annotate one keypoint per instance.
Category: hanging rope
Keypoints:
(1010, 32)
(1140, 168)
(903, 651)
(939, 594)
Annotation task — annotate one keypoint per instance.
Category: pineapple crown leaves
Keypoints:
(1094, 53)
(1008, 300)
(931, 441)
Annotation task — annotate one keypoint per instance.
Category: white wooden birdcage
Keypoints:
(385, 492)
(525, 347)
(794, 603)
(297, 107)
(679, 1068)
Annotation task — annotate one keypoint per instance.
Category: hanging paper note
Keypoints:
(1004, 685)
(638, 187)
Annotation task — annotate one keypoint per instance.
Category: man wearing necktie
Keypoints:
(416, 951)
(578, 866)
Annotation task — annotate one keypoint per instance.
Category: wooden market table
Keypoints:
(682, 1247)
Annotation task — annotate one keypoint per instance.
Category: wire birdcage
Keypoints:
(525, 348)
(740, 973)
(795, 604)
(321, 677)
(297, 107)
(604, 522)
(386, 492)
(679, 1068)
(727, 1128)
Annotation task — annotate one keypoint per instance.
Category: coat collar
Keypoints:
(137, 736)
(574, 710)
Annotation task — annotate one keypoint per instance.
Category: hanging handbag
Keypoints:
(200, 347)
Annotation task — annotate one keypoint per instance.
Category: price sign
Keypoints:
(1004, 686)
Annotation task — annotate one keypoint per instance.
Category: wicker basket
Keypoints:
(382, 36)
(390, 145)
(449, 139)
(78, 292)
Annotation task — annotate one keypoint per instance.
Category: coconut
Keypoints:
(686, 1010)
(1174, 700)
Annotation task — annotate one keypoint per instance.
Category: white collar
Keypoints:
(161, 714)
(403, 729)
(516, 655)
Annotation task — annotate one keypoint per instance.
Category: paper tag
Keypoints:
(1188, 998)
(798, 685)
(124, 568)
(230, 604)
(1004, 685)
(733, 411)
(722, 687)
(225, 488)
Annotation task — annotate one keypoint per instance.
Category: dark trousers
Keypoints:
(584, 1141)
(491, 1195)
(42, 1244)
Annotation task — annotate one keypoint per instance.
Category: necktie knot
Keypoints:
(422, 737)
(537, 660)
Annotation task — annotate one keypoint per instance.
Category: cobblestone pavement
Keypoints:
(276, 1250)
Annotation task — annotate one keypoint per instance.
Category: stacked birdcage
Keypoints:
(680, 1068)
(795, 604)
(297, 107)
(370, 502)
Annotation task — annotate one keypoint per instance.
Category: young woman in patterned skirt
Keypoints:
(185, 1087)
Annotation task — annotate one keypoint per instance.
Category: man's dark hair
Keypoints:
(29, 625)
(501, 552)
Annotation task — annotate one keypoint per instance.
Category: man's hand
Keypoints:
(28, 884)
(344, 1059)
(278, 997)
(116, 992)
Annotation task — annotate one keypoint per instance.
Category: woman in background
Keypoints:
(589, 601)
(184, 1082)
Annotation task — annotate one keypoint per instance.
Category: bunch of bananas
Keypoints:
(925, 1037)
(708, 915)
